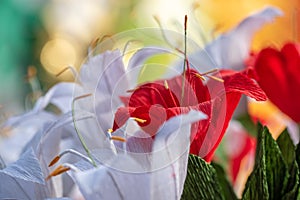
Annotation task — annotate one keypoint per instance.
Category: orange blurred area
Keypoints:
(269, 115)
(226, 14)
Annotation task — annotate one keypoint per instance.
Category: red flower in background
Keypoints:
(278, 75)
(158, 101)
(239, 147)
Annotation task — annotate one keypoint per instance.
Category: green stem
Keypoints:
(78, 132)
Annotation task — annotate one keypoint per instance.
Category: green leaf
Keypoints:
(226, 187)
(256, 186)
(201, 181)
(298, 154)
(287, 148)
(293, 188)
(289, 154)
(270, 175)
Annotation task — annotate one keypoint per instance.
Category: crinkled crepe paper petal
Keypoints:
(109, 182)
(21, 133)
(61, 95)
(280, 69)
(23, 179)
(231, 49)
(105, 76)
(170, 155)
(105, 182)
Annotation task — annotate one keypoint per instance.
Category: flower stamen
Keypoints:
(166, 84)
(110, 130)
(31, 73)
(72, 69)
(200, 76)
(117, 138)
(59, 170)
(70, 151)
(156, 18)
(207, 74)
(55, 160)
(131, 90)
(215, 78)
(139, 120)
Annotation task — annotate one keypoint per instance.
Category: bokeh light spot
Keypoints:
(58, 54)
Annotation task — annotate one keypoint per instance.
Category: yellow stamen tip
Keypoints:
(117, 138)
(209, 72)
(59, 170)
(216, 78)
(166, 84)
(200, 76)
(55, 160)
(139, 120)
(110, 130)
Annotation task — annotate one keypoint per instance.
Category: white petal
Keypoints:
(103, 71)
(29, 119)
(23, 179)
(137, 60)
(61, 95)
(21, 130)
(2, 163)
(170, 155)
(108, 182)
(48, 138)
(26, 168)
(104, 76)
(231, 49)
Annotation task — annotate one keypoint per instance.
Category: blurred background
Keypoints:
(40, 38)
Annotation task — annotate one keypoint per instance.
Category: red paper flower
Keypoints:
(158, 101)
(278, 75)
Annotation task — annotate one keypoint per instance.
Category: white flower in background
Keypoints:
(24, 180)
(23, 127)
(47, 133)
(231, 49)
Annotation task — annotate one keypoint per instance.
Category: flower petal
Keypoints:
(23, 179)
(138, 58)
(108, 182)
(231, 49)
(170, 155)
(277, 74)
(61, 95)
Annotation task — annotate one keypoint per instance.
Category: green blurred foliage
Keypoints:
(18, 36)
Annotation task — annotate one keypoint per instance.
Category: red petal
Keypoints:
(278, 77)
(236, 84)
(157, 102)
